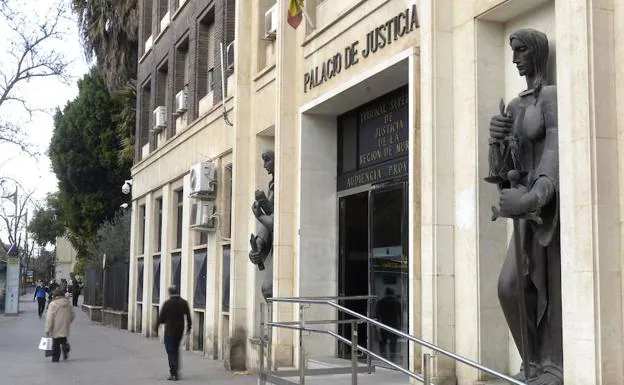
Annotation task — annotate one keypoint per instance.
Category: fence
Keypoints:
(93, 282)
(116, 286)
(107, 288)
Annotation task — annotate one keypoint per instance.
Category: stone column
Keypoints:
(132, 268)
(437, 178)
(148, 274)
(165, 256)
(241, 207)
(590, 198)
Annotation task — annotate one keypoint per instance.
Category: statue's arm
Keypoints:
(545, 187)
(266, 221)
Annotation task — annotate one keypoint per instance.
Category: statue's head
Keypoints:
(268, 156)
(530, 54)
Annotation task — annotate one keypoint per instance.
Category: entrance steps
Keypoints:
(380, 375)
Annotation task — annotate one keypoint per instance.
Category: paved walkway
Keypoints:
(100, 355)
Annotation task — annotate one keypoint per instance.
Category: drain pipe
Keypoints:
(225, 115)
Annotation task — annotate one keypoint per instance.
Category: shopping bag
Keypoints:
(45, 343)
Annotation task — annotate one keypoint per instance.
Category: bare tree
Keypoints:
(31, 55)
(14, 220)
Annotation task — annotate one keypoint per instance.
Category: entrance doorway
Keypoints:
(373, 243)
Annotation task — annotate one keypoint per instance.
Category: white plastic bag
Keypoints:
(45, 343)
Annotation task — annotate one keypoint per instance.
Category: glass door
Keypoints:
(353, 263)
(389, 269)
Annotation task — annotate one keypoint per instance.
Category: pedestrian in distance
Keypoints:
(76, 288)
(40, 296)
(58, 322)
(172, 315)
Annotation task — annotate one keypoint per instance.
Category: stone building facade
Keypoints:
(377, 111)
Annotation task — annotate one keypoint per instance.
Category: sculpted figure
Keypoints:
(262, 242)
(524, 163)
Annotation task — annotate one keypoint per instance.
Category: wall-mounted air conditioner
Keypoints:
(181, 101)
(160, 118)
(204, 180)
(270, 22)
(205, 218)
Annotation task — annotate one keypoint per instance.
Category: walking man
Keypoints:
(172, 315)
(40, 297)
(58, 320)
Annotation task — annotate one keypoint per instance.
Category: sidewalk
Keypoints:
(99, 356)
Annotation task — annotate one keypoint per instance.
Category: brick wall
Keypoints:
(180, 39)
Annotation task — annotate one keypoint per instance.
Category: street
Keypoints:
(99, 355)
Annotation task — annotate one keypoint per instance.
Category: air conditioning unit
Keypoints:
(160, 118)
(181, 101)
(205, 218)
(270, 22)
(204, 180)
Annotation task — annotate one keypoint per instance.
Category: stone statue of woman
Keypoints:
(262, 242)
(524, 138)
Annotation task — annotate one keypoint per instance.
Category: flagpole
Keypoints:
(307, 18)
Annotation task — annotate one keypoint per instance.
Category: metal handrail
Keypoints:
(346, 341)
(420, 342)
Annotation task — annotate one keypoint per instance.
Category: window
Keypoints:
(139, 293)
(163, 94)
(205, 55)
(156, 285)
(148, 7)
(141, 229)
(226, 227)
(225, 280)
(145, 116)
(179, 194)
(159, 225)
(163, 14)
(176, 269)
(199, 297)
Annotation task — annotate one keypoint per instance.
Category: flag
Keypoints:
(295, 13)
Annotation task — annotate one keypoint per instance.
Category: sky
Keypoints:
(35, 173)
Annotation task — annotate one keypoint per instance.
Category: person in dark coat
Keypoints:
(76, 288)
(172, 316)
(389, 313)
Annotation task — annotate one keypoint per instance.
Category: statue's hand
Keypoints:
(254, 257)
(500, 126)
(517, 202)
(256, 209)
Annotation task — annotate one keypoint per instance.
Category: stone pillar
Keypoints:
(590, 198)
(132, 268)
(242, 200)
(147, 322)
(165, 256)
(414, 199)
(437, 178)
(286, 137)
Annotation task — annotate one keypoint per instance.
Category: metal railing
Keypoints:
(266, 340)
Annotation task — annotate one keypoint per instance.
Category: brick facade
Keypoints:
(178, 44)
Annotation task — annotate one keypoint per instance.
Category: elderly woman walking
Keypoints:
(58, 320)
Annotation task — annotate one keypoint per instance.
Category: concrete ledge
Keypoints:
(94, 312)
(118, 319)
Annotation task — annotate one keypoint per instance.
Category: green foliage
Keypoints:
(126, 122)
(46, 224)
(79, 267)
(109, 31)
(112, 239)
(84, 152)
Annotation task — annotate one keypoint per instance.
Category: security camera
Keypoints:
(126, 187)
(123, 205)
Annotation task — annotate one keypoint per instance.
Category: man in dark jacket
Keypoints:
(172, 315)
